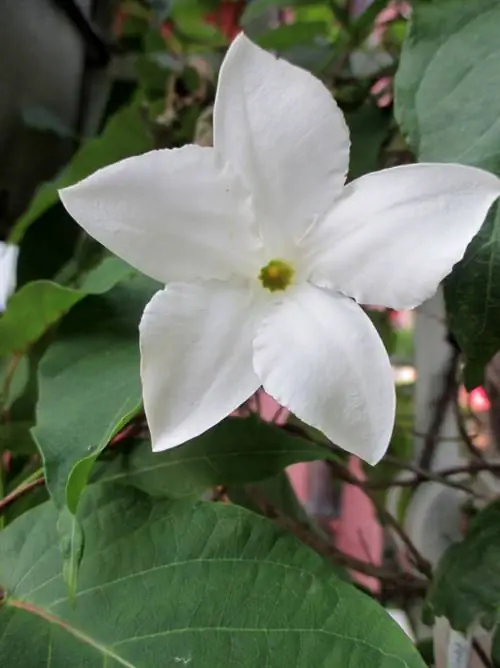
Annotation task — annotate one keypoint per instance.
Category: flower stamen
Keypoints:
(276, 275)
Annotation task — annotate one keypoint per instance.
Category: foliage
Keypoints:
(465, 587)
(439, 79)
(165, 599)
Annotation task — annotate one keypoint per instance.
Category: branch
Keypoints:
(20, 491)
(326, 549)
(420, 562)
(482, 654)
(472, 467)
(423, 475)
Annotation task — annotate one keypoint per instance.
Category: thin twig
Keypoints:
(472, 468)
(482, 654)
(421, 563)
(418, 480)
(330, 552)
(423, 475)
(20, 491)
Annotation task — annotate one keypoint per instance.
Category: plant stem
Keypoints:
(33, 480)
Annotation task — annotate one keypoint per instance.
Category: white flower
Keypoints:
(264, 250)
(8, 272)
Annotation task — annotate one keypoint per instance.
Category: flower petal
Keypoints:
(319, 355)
(172, 214)
(395, 234)
(196, 364)
(9, 254)
(282, 131)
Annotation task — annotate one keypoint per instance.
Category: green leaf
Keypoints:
(71, 548)
(466, 585)
(190, 25)
(14, 374)
(51, 240)
(449, 70)
(288, 36)
(369, 129)
(312, 57)
(472, 294)
(161, 9)
(169, 584)
(23, 409)
(278, 493)
(16, 437)
(125, 134)
(258, 7)
(26, 502)
(276, 490)
(196, 6)
(40, 304)
(89, 386)
(236, 451)
(340, 13)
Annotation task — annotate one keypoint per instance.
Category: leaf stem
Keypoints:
(33, 480)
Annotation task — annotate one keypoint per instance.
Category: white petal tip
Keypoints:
(366, 452)
(165, 443)
(66, 196)
(373, 461)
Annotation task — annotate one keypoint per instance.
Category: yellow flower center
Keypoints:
(276, 275)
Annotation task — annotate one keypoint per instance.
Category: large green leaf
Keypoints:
(449, 70)
(369, 128)
(448, 104)
(472, 294)
(287, 36)
(125, 134)
(40, 304)
(236, 451)
(172, 584)
(466, 585)
(278, 494)
(189, 23)
(89, 386)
